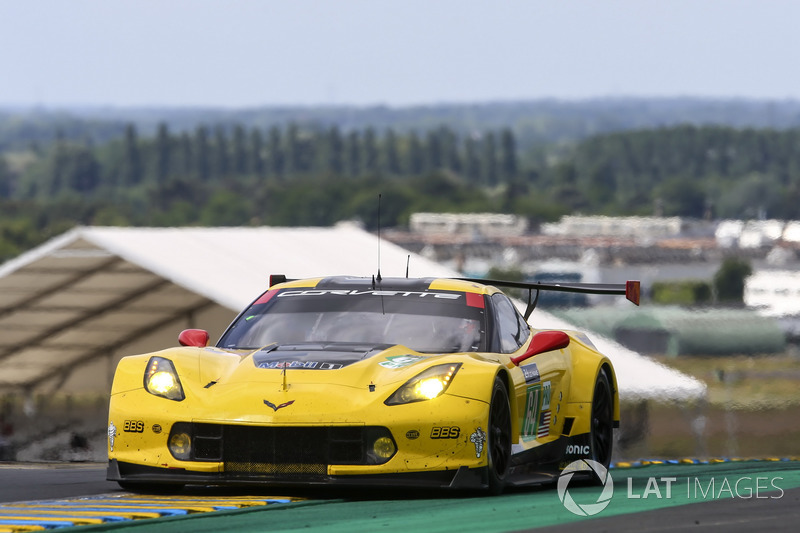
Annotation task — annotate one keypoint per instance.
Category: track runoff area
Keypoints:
(644, 488)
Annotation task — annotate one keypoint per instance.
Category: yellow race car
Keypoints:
(359, 381)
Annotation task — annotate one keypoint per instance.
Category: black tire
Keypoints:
(499, 437)
(602, 422)
(150, 488)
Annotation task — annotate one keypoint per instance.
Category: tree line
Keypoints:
(299, 175)
(218, 155)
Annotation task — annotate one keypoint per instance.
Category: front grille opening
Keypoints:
(285, 451)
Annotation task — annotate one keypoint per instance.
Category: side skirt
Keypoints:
(544, 463)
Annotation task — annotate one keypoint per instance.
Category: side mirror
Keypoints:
(193, 337)
(544, 341)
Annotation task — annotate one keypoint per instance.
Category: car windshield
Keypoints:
(430, 321)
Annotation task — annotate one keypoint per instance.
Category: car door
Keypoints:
(540, 397)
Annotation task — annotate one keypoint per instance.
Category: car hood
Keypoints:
(332, 382)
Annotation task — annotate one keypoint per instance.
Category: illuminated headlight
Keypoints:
(426, 385)
(161, 379)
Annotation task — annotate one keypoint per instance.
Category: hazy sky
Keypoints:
(238, 53)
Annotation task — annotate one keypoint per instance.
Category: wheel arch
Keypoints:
(587, 366)
(504, 375)
(612, 380)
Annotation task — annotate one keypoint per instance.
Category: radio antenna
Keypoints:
(408, 261)
(379, 239)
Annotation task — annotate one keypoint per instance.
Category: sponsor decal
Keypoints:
(575, 449)
(344, 292)
(133, 426)
(399, 361)
(156, 428)
(412, 434)
(531, 373)
(478, 438)
(300, 364)
(536, 423)
(587, 509)
(546, 395)
(532, 398)
(445, 432)
(276, 407)
(112, 433)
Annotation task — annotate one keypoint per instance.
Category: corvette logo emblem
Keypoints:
(276, 407)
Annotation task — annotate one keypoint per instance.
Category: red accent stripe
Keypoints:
(266, 297)
(475, 300)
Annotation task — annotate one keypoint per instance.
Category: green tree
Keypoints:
(353, 154)
(450, 153)
(82, 173)
(202, 154)
(434, 156)
(489, 162)
(729, 280)
(5, 178)
(391, 155)
(132, 161)
(221, 154)
(508, 155)
(276, 156)
(472, 160)
(255, 163)
(239, 151)
(415, 155)
(370, 151)
(334, 152)
(163, 148)
(186, 161)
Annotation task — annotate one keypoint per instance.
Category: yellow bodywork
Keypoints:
(226, 387)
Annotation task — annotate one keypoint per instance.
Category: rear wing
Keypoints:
(630, 289)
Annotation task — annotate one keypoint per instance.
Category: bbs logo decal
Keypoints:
(445, 432)
(531, 373)
(133, 426)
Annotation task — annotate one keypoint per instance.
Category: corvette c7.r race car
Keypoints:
(358, 381)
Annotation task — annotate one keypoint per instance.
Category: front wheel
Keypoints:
(499, 436)
(602, 430)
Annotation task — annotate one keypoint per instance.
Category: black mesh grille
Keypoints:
(284, 451)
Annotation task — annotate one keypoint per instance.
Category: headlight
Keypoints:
(161, 379)
(426, 385)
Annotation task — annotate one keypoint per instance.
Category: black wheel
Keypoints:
(150, 488)
(602, 431)
(499, 437)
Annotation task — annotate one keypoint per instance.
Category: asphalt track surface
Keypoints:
(729, 496)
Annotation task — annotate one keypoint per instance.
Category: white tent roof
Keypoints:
(71, 299)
